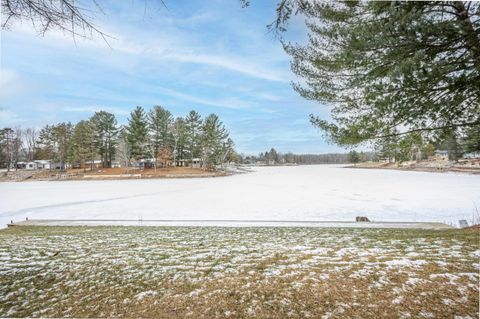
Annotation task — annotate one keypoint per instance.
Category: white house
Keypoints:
(472, 155)
(116, 164)
(43, 164)
(31, 166)
(196, 162)
(441, 154)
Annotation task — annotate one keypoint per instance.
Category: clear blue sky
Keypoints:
(211, 56)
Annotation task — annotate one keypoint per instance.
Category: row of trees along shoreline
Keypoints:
(453, 143)
(156, 136)
(159, 136)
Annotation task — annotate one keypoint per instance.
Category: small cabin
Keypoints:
(441, 154)
(43, 164)
(180, 163)
(472, 155)
(196, 163)
(31, 166)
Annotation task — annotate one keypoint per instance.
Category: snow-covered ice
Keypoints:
(295, 193)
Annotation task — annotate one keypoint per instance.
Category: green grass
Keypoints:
(166, 272)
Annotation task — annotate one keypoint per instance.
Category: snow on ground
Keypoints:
(265, 272)
(295, 193)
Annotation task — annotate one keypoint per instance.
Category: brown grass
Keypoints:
(212, 272)
(164, 171)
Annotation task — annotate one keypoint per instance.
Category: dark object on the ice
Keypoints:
(362, 219)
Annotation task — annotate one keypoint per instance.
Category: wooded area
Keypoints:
(156, 137)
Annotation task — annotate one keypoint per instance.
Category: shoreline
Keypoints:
(468, 171)
(229, 223)
(58, 177)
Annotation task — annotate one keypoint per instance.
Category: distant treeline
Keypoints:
(273, 157)
(330, 158)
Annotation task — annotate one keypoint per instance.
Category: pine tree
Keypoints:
(388, 67)
(214, 135)
(45, 143)
(272, 155)
(82, 146)
(193, 126)
(160, 121)
(62, 137)
(353, 157)
(471, 139)
(137, 133)
(449, 141)
(54, 143)
(106, 132)
(387, 148)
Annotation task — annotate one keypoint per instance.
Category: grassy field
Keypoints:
(168, 272)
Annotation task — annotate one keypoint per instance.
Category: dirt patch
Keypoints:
(160, 172)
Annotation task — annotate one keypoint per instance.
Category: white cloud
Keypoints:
(10, 83)
(158, 46)
(227, 62)
(232, 103)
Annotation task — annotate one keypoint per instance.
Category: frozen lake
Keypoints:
(295, 193)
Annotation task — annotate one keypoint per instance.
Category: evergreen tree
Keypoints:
(409, 147)
(388, 67)
(160, 121)
(353, 157)
(272, 155)
(193, 126)
(82, 147)
(471, 139)
(62, 137)
(45, 143)
(452, 145)
(106, 132)
(387, 148)
(54, 143)
(137, 133)
(405, 150)
(449, 141)
(214, 135)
